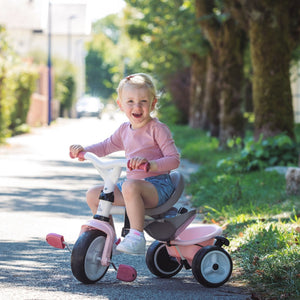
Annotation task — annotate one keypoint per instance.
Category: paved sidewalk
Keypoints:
(42, 190)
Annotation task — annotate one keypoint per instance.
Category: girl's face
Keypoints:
(137, 103)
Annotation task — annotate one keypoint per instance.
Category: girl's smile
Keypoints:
(137, 104)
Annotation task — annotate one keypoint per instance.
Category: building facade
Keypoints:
(30, 24)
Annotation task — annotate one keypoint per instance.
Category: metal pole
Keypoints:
(49, 64)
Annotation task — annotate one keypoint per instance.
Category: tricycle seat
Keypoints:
(167, 229)
(178, 182)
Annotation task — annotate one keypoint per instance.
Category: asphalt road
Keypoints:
(42, 190)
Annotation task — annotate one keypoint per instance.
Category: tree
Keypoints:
(24, 76)
(98, 75)
(67, 93)
(173, 42)
(273, 28)
(210, 120)
(226, 41)
(7, 85)
(197, 91)
(102, 60)
(170, 39)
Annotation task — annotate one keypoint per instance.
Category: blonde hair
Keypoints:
(139, 80)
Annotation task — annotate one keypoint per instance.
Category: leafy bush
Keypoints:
(65, 84)
(221, 195)
(5, 104)
(7, 85)
(261, 221)
(279, 150)
(168, 112)
(67, 92)
(24, 76)
(271, 253)
(17, 83)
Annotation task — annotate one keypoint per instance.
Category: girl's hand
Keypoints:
(135, 162)
(75, 149)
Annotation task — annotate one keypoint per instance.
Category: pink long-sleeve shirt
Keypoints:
(153, 141)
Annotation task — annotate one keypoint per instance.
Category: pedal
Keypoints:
(126, 273)
(57, 241)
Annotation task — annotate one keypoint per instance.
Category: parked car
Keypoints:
(89, 106)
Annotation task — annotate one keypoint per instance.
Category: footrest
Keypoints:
(167, 229)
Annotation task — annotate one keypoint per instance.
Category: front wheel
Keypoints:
(86, 257)
(212, 266)
(160, 263)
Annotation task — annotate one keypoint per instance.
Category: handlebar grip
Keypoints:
(144, 166)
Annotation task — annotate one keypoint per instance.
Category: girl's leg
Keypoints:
(92, 198)
(138, 195)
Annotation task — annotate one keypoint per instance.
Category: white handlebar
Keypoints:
(110, 170)
(105, 164)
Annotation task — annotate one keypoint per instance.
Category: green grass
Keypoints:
(261, 221)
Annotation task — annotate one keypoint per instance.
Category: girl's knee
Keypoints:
(93, 191)
(130, 187)
(92, 196)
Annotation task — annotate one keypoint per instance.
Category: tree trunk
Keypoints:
(197, 88)
(270, 54)
(231, 81)
(210, 115)
(273, 28)
(226, 40)
(179, 86)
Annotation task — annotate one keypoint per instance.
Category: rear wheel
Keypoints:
(212, 266)
(86, 257)
(160, 263)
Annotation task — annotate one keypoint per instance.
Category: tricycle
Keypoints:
(178, 243)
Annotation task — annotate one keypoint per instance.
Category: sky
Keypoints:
(100, 8)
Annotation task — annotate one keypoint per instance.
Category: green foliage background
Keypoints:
(17, 83)
(259, 218)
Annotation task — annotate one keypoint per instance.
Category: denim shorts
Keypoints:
(163, 185)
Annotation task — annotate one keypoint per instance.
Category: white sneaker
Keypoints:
(132, 244)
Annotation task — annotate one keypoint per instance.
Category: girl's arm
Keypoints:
(108, 146)
(171, 157)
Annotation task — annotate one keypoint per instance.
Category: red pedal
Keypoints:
(55, 240)
(126, 273)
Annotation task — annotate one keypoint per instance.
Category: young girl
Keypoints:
(144, 139)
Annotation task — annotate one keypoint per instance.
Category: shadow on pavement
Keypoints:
(46, 200)
(51, 191)
(51, 271)
(59, 188)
